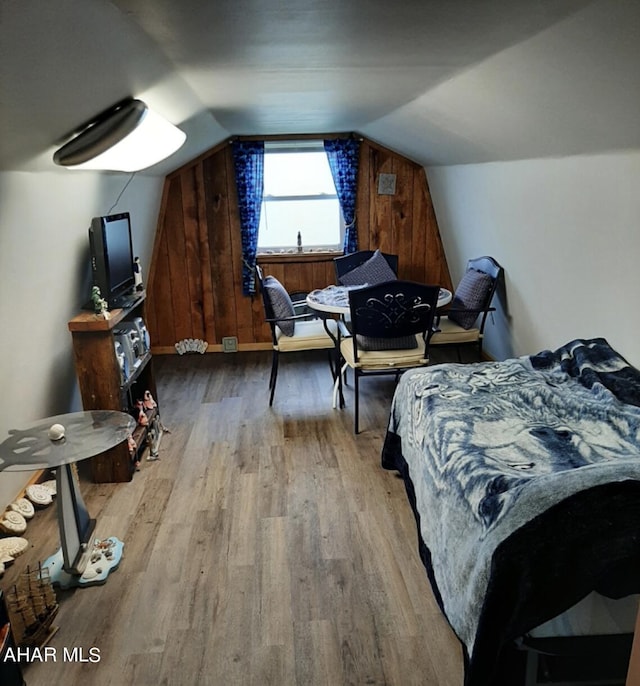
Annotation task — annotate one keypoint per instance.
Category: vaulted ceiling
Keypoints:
(442, 81)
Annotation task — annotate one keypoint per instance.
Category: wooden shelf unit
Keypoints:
(102, 387)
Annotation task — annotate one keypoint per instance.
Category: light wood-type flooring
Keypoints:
(266, 546)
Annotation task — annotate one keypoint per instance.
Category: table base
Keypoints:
(104, 558)
(338, 398)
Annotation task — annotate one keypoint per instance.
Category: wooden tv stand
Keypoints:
(103, 387)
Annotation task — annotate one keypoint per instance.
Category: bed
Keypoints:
(524, 477)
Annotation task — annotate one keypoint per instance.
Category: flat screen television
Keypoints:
(112, 258)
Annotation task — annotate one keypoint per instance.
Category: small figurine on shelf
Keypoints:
(133, 446)
(137, 274)
(143, 420)
(149, 402)
(99, 303)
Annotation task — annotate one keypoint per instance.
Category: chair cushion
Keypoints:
(309, 335)
(379, 343)
(452, 333)
(384, 359)
(281, 304)
(375, 270)
(471, 294)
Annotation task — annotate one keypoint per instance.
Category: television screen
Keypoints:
(112, 257)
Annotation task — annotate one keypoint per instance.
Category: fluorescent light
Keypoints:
(128, 137)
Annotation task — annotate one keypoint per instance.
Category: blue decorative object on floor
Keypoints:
(104, 558)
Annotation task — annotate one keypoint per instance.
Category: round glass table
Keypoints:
(78, 562)
(335, 299)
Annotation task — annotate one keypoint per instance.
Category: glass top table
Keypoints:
(335, 299)
(85, 434)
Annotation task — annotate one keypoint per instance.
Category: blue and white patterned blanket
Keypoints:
(520, 471)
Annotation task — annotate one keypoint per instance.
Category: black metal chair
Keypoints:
(290, 331)
(463, 323)
(391, 324)
(347, 263)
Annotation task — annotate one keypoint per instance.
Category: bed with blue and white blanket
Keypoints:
(524, 476)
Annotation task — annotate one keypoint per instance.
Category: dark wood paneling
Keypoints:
(402, 220)
(436, 269)
(206, 302)
(196, 272)
(192, 255)
(217, 202)
(160, 285)
(178, 274)
(242, 304)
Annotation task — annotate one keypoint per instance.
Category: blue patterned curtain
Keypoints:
(343, 159)
(248, 157)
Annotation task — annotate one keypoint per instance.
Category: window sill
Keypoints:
(305, 256)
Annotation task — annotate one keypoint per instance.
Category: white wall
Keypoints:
(567, 232)
(44, 279)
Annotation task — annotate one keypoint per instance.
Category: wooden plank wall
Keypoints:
(194, 286)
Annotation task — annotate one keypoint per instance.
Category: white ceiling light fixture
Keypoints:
(127, 137)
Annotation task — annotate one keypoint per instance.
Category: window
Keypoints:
(299, 196)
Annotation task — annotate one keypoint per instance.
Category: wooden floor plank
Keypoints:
(265, 546)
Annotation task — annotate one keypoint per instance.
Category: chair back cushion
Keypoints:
(472, 293)
(278, 301)
(348, 262)
(374, 271)
(378, 343)
(389, 315)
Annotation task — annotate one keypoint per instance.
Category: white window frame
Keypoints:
(302, 146)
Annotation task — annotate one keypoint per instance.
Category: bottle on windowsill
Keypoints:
(299, 241)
